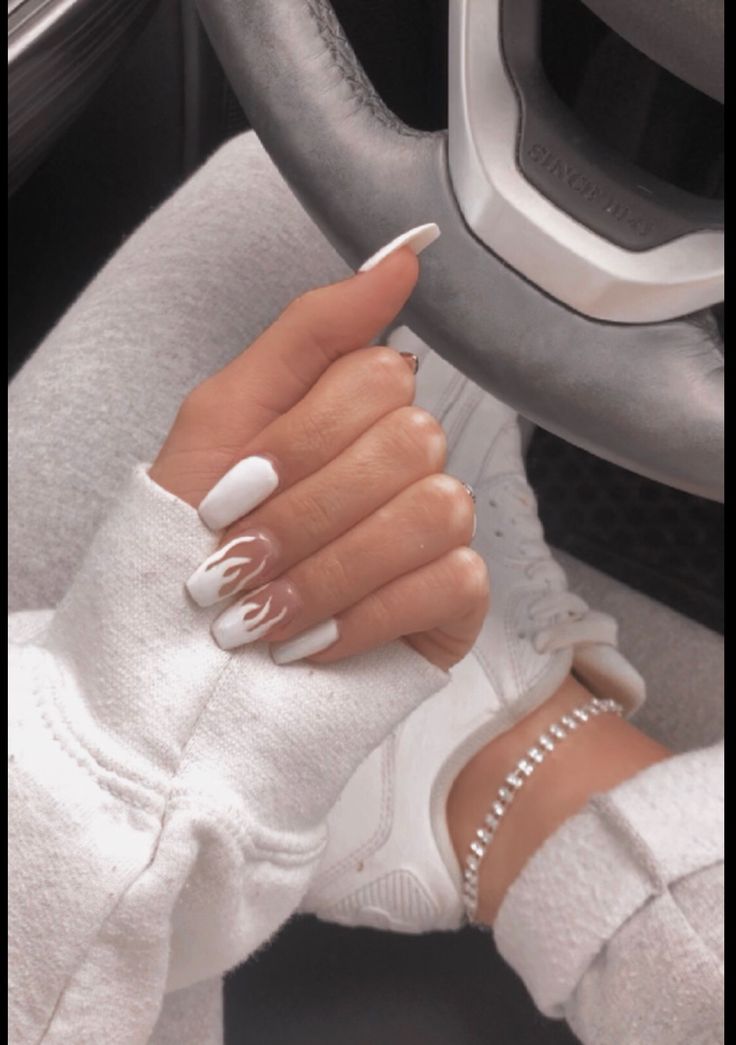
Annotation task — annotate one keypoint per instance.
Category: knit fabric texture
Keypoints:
(167, 798)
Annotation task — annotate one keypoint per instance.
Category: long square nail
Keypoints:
(243, 488)
(417, 238)
(254, 615)
(311, 641)
(232, 568)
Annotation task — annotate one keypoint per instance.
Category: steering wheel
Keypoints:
(585, 302)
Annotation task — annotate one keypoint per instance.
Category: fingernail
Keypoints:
(254, 615)
(311, 641)
(471, 492)
(417, 239)
(240, 490)
(412, 359)
(231, 568)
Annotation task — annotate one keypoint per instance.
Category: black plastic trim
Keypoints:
(58, 56)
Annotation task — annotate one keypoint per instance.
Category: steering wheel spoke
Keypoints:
(644, 395)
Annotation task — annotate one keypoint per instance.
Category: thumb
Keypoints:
(232, 407)
(280, 367)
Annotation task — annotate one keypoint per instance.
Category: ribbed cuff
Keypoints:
(602, 865)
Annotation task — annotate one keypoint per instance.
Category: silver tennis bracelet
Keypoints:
(513, 783)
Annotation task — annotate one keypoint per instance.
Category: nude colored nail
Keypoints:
(240, 490)
(471, 493)
(412, 359)
(311, 641)
(254, 615)
(418, 239)
(232, 568)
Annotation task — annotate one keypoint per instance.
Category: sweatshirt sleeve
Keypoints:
(616, 923)
(167, 798)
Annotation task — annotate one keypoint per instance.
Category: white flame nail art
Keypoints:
(230, 569)
(254, 615)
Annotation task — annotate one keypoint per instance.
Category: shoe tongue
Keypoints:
(607, 673)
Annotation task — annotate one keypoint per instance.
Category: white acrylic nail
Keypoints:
(231, 568)
(255, 614)
(312, 641)
(240, 490)
(417, 239)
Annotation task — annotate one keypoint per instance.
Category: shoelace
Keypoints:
(561, 619)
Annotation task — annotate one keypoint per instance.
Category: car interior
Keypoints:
(572, 152)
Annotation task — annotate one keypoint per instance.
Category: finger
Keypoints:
(401, 448)
(349, 397)
(314, 330)
(439, 608)
(416, 527)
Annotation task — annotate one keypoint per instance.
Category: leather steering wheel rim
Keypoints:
(648, 397)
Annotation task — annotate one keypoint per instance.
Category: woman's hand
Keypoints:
(340, 532)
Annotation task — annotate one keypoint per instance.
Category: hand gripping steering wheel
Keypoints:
(569, 284)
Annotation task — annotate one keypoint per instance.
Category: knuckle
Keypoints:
(378, 613)
(448, 500)
(420, 434)
(314, 515)
(311, 437)
(470, 576)
(334, 576)
(387, 372)
(380, 375)
(422, 420)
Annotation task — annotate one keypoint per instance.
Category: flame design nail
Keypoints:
(254, 615)
(231, 568)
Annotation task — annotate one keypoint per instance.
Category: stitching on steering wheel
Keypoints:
(334, 38)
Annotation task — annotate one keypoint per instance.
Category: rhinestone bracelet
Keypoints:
(523, 769)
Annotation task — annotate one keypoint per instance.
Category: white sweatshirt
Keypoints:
(167, 810)
(167, 799)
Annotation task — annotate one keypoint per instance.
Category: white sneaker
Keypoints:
(389, 862)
